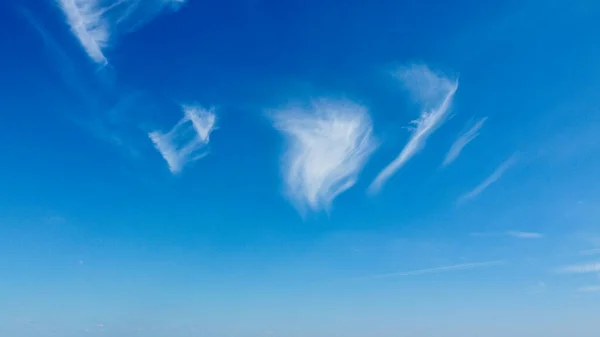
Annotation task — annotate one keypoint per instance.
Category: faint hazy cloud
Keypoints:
(539, 288)
(328, 143)
(187, 140)
(489, 180)
(444, 269)
(434, 93)
(462, 141)
(95, 22)
(590, 252)
(589, 289)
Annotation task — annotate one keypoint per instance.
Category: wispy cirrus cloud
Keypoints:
(444, 269)
(462, 141)
(434, 93)
(328, 143)
(593, 267)
(79, 102)
(489, 180)
(187, 140)
(95, 22)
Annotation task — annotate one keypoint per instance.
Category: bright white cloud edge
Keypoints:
(462, 141)
(175, 148)
(434, 93)
(328, 143)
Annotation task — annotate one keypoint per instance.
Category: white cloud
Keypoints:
(525, 235)
(462, 141)
(328, 144)
(489, 180)
(589, 289)
(582, 268)
(434, 93)
(444, 269)
(187, 140)
(95, 22)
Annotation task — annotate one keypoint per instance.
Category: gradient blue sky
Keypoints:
(249, 168)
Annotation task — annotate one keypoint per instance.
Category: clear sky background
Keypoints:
(250, 168)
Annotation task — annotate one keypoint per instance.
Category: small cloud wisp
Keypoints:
(462, 141)
(582, 268)
(489, 180)
(177, 147)
(525, 235)
(328, 144)
(434, 93)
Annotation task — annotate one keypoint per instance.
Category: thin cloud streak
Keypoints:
(457, 267)
(462, 141)
(489, 180)
(593, 267)
(434, 93)
(515, 234)
(176, 147)
(328, 144)
(525, 235)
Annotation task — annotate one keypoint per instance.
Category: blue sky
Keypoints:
(299, 168)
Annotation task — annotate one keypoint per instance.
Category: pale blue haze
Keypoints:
(99, 236)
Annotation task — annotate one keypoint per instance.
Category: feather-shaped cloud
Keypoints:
(328, 144)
